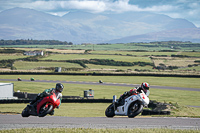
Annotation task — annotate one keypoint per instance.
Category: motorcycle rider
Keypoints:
(144, 86)
(57, 90)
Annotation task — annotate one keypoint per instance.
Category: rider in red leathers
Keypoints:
(57, 90)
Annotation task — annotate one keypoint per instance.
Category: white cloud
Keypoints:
(95, 6)
(188, 9)
(161, 8)
(41, 5)
(58, 13)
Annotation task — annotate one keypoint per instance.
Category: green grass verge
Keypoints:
(95, 110)
(66, 109)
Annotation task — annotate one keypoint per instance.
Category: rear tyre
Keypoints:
(45, 110)
(25, 113)
(110, 111)
(135, 109)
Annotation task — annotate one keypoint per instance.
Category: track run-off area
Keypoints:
(10, 121)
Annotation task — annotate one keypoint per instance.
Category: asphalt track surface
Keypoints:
(107, 83)
(8, 121)
(16, 121)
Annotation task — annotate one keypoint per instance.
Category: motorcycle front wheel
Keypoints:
(135, 109)
(45, 110)
(110, 111)
(25, 113)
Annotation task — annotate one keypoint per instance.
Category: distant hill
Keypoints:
(82, 27)
(190, 34)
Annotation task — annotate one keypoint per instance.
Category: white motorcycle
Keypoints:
(132, 106)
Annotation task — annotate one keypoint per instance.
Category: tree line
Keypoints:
(10, 51)
(108, 62)
(33, 42)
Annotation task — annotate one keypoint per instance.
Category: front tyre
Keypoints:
(45, 109)
(25, 113)
(135, 109)
(110, 111)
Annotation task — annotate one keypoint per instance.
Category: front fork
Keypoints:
(114, 101)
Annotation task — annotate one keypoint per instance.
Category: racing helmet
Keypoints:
(59, 87)
(145, 86)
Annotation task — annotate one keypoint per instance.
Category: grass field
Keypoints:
(194, 54)
(155, 57)
(194, 68)
(89, 56)
(95, 110)
(26, 65)
(11, 56)
(183, 98)
(133, 53)
(182, 63)
(48, 50)
(128, 46)
(153, 80)
(104, 68)
(171, 61)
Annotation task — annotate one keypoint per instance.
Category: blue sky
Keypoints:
(186, 9)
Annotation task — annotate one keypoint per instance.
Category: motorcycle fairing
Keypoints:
(50, 100)
(144, 98)
(123, 110)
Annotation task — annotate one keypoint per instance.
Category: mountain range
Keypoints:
(83, 27)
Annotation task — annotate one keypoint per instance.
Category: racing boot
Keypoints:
(32, 102)
(35, 100)
(52, 112)
(121, 101)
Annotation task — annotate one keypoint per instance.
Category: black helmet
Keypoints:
(59, 87)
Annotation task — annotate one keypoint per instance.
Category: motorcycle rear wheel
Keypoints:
(135, 109)
(44, 111)
(110, 111)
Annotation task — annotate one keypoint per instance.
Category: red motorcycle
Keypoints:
(43, 106)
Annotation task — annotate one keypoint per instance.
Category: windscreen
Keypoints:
(148, 92)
